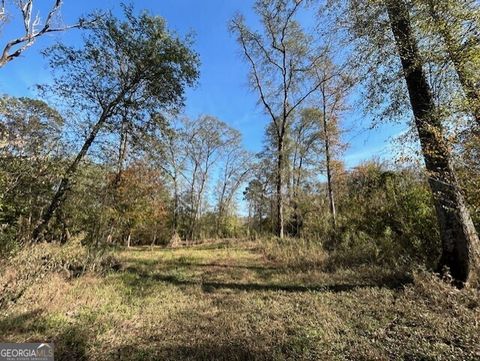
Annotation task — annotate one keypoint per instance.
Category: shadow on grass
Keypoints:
(143, 279)
(233, 351)
(70, 339)
(19, 323)
(75, 342)
(138, 265)
(180, 263)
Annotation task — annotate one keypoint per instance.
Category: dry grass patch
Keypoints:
(232, 302)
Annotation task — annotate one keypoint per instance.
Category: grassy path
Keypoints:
(225, 301)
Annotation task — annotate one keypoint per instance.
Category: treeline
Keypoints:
(180, 180)
(111, 159)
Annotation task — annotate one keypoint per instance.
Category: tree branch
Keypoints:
(31, 34)
(258, 83)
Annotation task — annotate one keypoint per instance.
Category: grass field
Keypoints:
(228, 301)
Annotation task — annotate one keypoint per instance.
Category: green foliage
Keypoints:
(30, 165)
(387, 217)
(468, 165)
(126, 75)
(125, 67)
(133, 204)
(138, 206)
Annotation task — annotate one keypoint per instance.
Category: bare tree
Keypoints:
(280, 60)
(205, 142)
(168, 150)
(33, 28)
(176, 165)
(334, 89)
(235, 171)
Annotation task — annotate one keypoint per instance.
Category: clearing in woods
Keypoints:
(227, 301)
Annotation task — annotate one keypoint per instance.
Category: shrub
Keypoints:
(387, 218)
(293, 252)
(34, 262)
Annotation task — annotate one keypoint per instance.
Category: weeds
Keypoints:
(293, 253)
(35, 262)
(237, 301)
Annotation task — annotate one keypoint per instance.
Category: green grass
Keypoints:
(233, 301)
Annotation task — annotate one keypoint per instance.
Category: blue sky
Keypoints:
(222, 91)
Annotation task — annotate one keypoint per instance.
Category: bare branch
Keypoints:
(30, 25)
(305, 96)
(265, 52)
(256, 76)
(27, 15)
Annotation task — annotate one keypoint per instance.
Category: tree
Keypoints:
(334, 89)
(461, 246)
(206, 140)
(258, 195)
(139, 203)
(33, 28)
(391, 51)
(280, 59)
(235, 170)
(169, 154)
(30, 161)
(135, 70)
(305, 137)
(457, 23)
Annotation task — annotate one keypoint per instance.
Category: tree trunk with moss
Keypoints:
(460, 243)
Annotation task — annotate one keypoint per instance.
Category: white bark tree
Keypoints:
(33, 27)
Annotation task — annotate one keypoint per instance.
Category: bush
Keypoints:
(293, 252)
(358, 248)
(387, 218)
(34, 262)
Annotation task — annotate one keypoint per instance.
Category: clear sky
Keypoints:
(222, 91)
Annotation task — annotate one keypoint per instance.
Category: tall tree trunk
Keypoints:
(221, 210)
(219, 223)
(331, 198)
(64, 186)
(122, 151)
(298, 219)
(175, 205)
(197, 210)
(193, 204)
(296, 214)
(456, 53)
(460, 243)
(280, 158)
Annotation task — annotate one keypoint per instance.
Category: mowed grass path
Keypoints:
(225, 301)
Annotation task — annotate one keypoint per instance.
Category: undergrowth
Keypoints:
(293, 253)
(36, 261)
